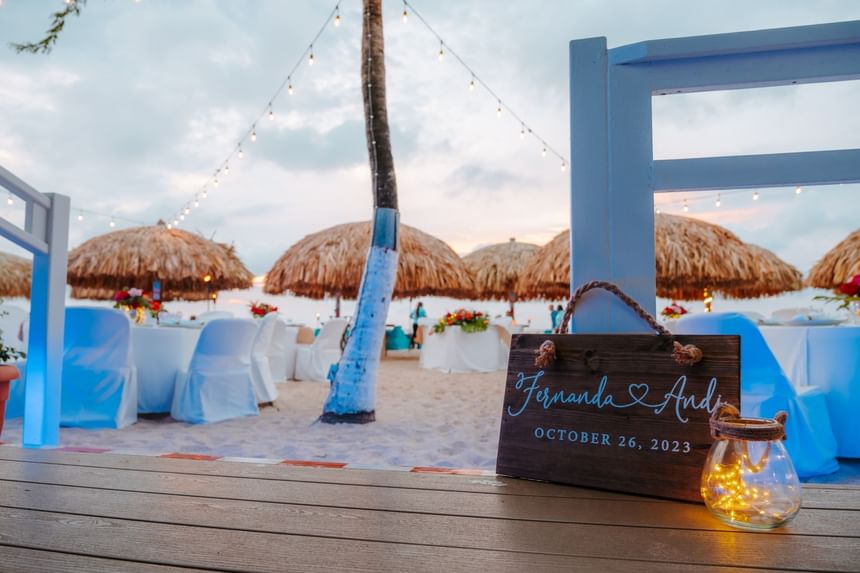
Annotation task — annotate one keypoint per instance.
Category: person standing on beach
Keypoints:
(416, 315)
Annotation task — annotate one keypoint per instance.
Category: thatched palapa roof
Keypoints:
(331, 262)
(135, 257)
(15, 276)
(691, 255)
(839, 265)
(497, 269)
(89, 293)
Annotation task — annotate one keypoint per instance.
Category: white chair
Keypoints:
(314, 360)
(290, 341)
(12, 318)
(765, 390)
(267, 358)
(99, 388)
(218, 384)
(214, 315)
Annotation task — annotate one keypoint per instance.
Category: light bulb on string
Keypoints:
(196, 202)
(441, 51)
(80, 216)
(112, 223)
(522, 132)
(187, 210)
(169, 226)
(227, 169)
(686, 207)
(241, 154)
(543, 152)
(9, 200)
(289, 87)
(311, 56)
(216, 182)
(405, 16)
(204, 193)
(271, 113)
(175, 223)
(182, 217)
(755, 196)
(563, 166)
(657, 210)
(499, 109)
(337, 16)
(254, 134)
(472, 84)
(798, 190)
(718, 202)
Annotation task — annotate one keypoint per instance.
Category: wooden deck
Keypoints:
(62, 511)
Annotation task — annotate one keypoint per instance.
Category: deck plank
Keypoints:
(20, 559)
(783, 549)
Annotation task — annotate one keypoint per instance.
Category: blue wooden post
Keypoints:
(45, 341)
(46, 235)
(614, 175)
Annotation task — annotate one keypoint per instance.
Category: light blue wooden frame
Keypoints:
(614, 174)
(46, 235)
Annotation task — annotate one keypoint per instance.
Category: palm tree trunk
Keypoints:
(352, 397)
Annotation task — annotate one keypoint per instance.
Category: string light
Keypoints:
(290, 88)
(204, 194)
(215, 182)
(523, 132)
(112, 223)
(755, 196)
(271, 113)
(254, 133)
(472, 84)
(798, 190)
(311, 56)
(227, 169)
(187, 210)
(196, 202)
(405, 16)
(718, 202)
(543, 152)
(80, 216)
(169, 226)
(441, 51)
(182, 217)
(563, 166)
(175, 223)
(337, 16)
(9, 200)
(499, 109)
(657, 210)
(241, 153)
(686, 207)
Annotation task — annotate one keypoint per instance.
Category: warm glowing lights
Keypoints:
(204, 194)
(241, 154)
(207, 278)
(80, 216)
(112, 223)
(522, 131)
(227, 169)
(337, 16)
(254, 134)
(311, 56)
(755, 196)
(686, 207)
(718, 202)
(798, 190)
(563, 166)
(708, 300)
(543, 152)
(657, 210)
(215, 183)
(441, 51)
(499, 109)
(405, 16)
(472, 84)
(196, 202)
(9, 200)
(271, 113)
(187, 211)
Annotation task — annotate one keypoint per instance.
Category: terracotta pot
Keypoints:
(8, 373)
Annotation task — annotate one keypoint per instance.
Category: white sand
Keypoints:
(423, 418)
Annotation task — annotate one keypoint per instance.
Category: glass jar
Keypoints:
(748, 480)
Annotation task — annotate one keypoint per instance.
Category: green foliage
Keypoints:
(8, 354)
(58, 22)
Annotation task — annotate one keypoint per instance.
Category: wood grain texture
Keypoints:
(584, 439)
(19, 560)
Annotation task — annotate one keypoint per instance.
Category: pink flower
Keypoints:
(135, 292)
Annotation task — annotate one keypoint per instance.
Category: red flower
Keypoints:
(120, 295)
(850, 288)
(155, 305)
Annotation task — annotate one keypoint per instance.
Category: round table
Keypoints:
(827, 357)
(456, 351)
(159, 352)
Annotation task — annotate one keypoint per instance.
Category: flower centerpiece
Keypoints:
(261, 309)
(847, 295)
(674, 311)
(134, 301)
(8, 372)
(467, 320)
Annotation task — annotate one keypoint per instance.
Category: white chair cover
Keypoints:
(314, 360)
(290, 342)
(11, 320)
(765, 390)
(456, 351)
(218, 385)
(99, 377)
(262, 355)
(214, 315)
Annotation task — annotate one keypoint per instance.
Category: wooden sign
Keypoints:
(615, 411)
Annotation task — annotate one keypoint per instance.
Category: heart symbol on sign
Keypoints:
(638, 392)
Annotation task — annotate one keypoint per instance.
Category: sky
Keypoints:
(140, 102)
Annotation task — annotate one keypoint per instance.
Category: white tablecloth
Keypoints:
(159, 352)
(458, 351)
(827, 357)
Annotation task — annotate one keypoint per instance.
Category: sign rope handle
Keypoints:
(727, 423)
(686, 355)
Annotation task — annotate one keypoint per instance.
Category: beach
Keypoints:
(423, 418)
